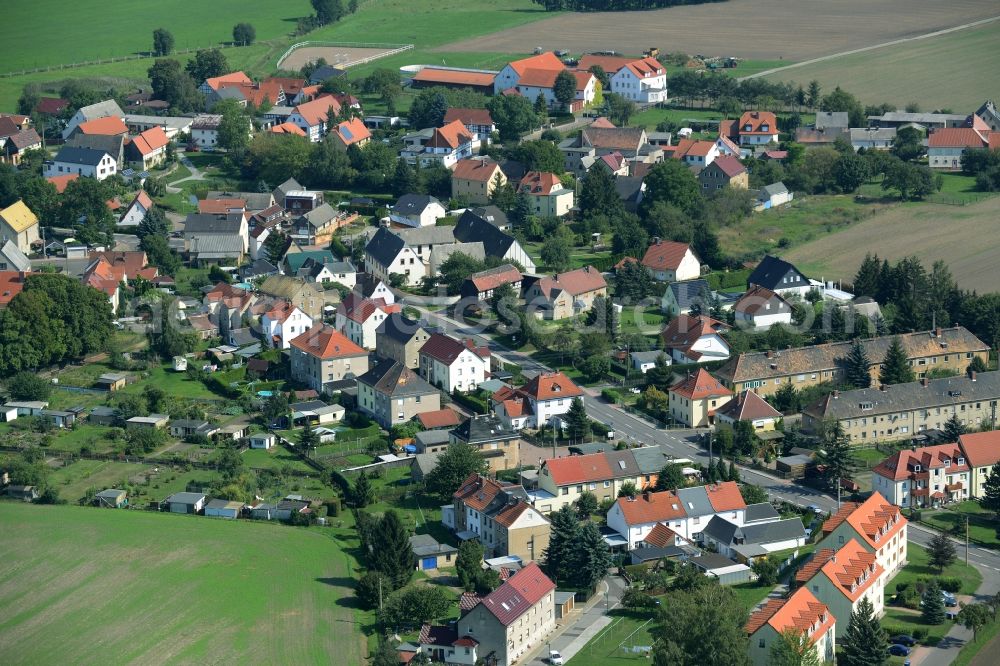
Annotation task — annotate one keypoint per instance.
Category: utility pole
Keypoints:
(967, 541)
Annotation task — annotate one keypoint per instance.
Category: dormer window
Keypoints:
(947, 463)
(765, 127)
(961, 461)
(916, 468)
(748, 127)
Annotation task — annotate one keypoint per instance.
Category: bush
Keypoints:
(611, 395)
(952, 585)
(919, 634)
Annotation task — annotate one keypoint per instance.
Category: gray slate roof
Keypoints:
(427, 235)
(212, 223)
(774, 188)
(695, 501)
(413, 204)
(771, 270)
(83, 156)
(493, 215)
(320, 216)
(482, 428)
(826, 119)
(216, 246)
(384, 246)
(395, 380)
(401, 328)
(108, 107)
(762, 511)
(185, 498)
(471, 228)
(729, 533)
(431, 438)
(946, 392)
(16, 261)
(689, 292)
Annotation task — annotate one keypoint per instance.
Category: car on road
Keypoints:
(815, 509)
(898, 650)
(555, 658)
(903, 639)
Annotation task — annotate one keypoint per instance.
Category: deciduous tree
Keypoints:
(702, 626)
(454, 466)
(163, 42)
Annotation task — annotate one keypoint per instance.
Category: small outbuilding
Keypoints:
(564, 604)
(105, 416)
(112, 381)
(429, 554)
(261, 440)
(221, 508)
(185, 503)
(112, 498)
(148, 422)
(23, 493)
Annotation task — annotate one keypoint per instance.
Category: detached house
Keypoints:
(749, 407)
(760, 307)
(400, 338)
(547, 196)
(686, 297)
(500, 517)
(565, 294)
(643, 81)
(322, 357)
(946, 146)
(475, 179)
(350, 133)
(754, 128)
(417, 210)
(475, 226)
(316, 117)
(801, 613)
(477, 121)
(359, 318)
(688, 339)
(924, 477)
(148, 149)
(136, 211)
(480, 286)
(392, 394)
(452, 365)
(670, 261)
(92, 112)
(387, 254)
(440, 145)
(283, 322)
(545, 397)
(495, 441)
(780, 277)
(19, 226)
(87, 162)
(694, 399)
(876, 524)
(724, 172)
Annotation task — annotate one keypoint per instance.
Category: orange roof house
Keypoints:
(451, 136)
(688, 339)
(325, 342)
(876, 524)
(62, 181)
(351, 133)
(801, 613)
(217, 82)
(106, 126)
(287, 128)
(11, 284)
(453, 78)
(671, 261)
(694, 399)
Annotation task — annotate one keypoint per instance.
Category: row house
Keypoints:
(877, 525)
(400, 338)
(765, 372)
(903, 411)
(843, 578)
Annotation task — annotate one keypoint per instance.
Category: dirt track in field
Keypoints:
(961, 236)
(754, 29)
(339, 56)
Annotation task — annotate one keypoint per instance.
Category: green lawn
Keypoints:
(93, 586)
(648, 321)
(918, 567)
(84, 434)
(806, 218)
(751, 594)
(176, 384)
(982, 524)
(276, 458)
(612, 645)
(73, 481)
(905, 621)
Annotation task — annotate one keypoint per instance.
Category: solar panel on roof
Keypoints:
(346, 131)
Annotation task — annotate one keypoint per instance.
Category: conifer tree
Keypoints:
(391, 554)
(991, 491)
(932, 604)
(896, 366)
(857, 371)
(864, 644)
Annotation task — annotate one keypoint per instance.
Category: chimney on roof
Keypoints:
(883, 387)
(972, 374)
(937, 332)
(645, 495)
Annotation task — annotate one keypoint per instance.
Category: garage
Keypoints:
(429, 554)
(429, 562)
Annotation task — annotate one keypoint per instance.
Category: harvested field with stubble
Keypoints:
(339, 56)
(99, 586)
(756, 29)
(964, 237)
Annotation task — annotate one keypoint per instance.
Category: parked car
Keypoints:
(903, 639)
(815, 509)
(949, 599)
(555, 658)
(898, 650)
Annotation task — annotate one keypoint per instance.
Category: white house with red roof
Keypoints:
(147, 149)
(841, 579)
(982, 451)
(477, 121)
(349, 133)
(322, 356)
(697, 339)
(876, 524)
(282, 322)
(136, 211)
(358, 318)
(754, 128)
(547, 196)
(928, 476)
(761, 308)
(671, 261)
(454, 365)
(445, 145)
(316, 116)
(801, 613)
(696, 154)
(501, 627)
(694, 399)
(534, 76)
(945, 146)
(545, 397)
(565, 294)
(643, 81)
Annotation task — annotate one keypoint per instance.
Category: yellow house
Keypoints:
(695, 399)
(19, 225)
(475, 179)
(748, 406)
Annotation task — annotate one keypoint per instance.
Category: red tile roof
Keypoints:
(518, 594)
(447, 349)
(900, 465)
(665, 255)
(453, 77)
(812, 567)
(450, 136)
(650, 507)
(540, 183)
(646, 67)
(510, 513)
(477, 492)
(575, 283)
(603, 123)
(875, 519)
(233, 77)
(468, 116)
(221, 206)
(11, 284)
(852, 570)
(579, 469)
(478, 169)
(699, 386)
(494, 277)
(662, 536)
(126, 265)
(801, 612)
(725, 496)
(684, 331)
(543, 61)
(982, 449)
(610, 64)
(439, 418)
(358, 309)
(954, 137)
(352, 131)
(748, 406)
(51, 105)
(108, 126)
(320, 110)
(62, 181)
(757, 298)
(288, 128)
(757, 120)
(550, 385)
(151, 140)
(326, 342)
(729, 166)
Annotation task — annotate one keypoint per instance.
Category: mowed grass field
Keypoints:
(93, 586)
(955, 71)
(55, 32)
(755, 29)
(961, 236)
